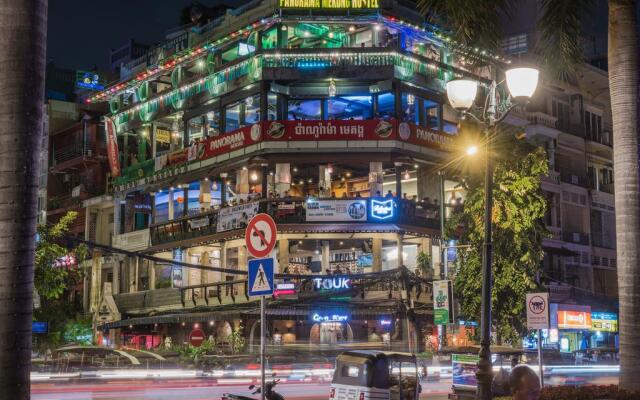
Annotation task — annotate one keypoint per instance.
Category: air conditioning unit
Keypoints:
(66, 178)
(576, 237)
(574, 179)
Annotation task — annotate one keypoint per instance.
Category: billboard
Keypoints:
(336, 210)
(568, 319)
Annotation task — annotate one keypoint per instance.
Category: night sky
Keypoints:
(81, 32)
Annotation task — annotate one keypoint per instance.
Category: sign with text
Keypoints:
(537, 310)
(382, 209)
(425, 137)
(336, 210)
(325, 316)
(236, 217)
(604, 322)
(369, 129)
(568, 319)
(112, 147)
(441, 302)
(332, 283)
(330, 4)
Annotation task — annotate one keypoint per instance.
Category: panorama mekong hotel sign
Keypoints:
(329, 4)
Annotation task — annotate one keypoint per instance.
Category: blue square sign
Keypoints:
(261, 277)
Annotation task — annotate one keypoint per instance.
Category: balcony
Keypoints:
(292, 211)
(576, 237)
(553, 177)
(69, 157)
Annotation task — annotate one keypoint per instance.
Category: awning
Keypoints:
(174, 319)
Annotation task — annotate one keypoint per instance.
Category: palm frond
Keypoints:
(559, 46)
(473, 23)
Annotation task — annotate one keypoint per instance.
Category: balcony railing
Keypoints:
(573, 179)
(77, 150)
(283, 211)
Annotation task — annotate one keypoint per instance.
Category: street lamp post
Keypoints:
(522, 83)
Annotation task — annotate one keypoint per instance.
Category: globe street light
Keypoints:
(522, 83)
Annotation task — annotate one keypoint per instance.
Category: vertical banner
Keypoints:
(441, 303)
(112, 146)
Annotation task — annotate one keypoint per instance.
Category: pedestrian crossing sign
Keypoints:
(261, 277)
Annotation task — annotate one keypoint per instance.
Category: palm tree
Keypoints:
(477, 23)
(23, 33)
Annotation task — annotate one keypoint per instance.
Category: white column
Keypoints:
(377, 255)
(170, 204)
(242, 183)
(324, 181)
(326, 255)
(283, 178)
(283, 255)
(96, 281)
(151, 272)
(376, 178)
(115, 287)
(205, 194)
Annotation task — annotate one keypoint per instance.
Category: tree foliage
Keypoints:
(50, 280)
(518, 230)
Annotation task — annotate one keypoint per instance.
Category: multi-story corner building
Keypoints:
(329, 116)
(573, 121)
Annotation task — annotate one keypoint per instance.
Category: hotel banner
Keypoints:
(236, 217)
(425, 137)
(234, 140)
(370, 129)
(336, 210)
(112, 147)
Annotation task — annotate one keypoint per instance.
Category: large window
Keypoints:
(432, 114)
(252, 110)
(212, 123)
(349, 107)
(304, 109)
(232, 117)
(410, 109)
(560, 110)
(195, 129)
(386, 105)
(272, 106)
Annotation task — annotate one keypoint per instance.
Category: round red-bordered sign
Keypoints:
(260, 235)
(196, 337)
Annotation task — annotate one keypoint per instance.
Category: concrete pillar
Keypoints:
(116, 216)
(133, 274)
(283, 178)
(377, 255)
(551, 151)
(223, 255)
(283, 255)
(205, 195)
(399, 247)
(398, 170)
(96, 281)
(86, 293)
(326, 255)
(223, 191)
(115, 287)
(151, 272)
(376, 179)
(205, 261)
(264, 183)
(324, 181)
(242, 183)
(216, 261)
(242, 265)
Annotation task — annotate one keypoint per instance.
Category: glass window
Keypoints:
(232, 117)
(432, 114)
(252, 110)
(309, 35)
(410, 108)
(349, 107)
(212, 122)
(386, 105)
(304, 109)
(450, 128)
(272, 106)
(195, 128)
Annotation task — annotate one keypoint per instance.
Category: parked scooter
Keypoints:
(269, 393)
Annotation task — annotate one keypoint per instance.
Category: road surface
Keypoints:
(189, 390)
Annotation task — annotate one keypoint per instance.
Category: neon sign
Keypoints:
(385, 322)
(285, 289)
(334, 283)
(382, 210)
(317, 317)
(329, 4)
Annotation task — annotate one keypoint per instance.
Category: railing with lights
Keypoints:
(296, 211)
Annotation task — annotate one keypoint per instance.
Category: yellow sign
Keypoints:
(329, 4)
(163, 136)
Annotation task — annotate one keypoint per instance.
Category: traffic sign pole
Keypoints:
(540, 364)
(262, 335)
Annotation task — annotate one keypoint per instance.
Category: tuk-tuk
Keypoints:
(369, 374)
(464, 366)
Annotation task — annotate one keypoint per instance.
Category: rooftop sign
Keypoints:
(330, 4)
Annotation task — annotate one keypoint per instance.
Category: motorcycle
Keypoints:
(269, 393)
